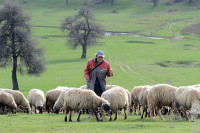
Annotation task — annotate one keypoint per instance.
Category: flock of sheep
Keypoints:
(182, 101)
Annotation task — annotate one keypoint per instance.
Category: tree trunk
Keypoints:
(66, 2)
(190, 2)
(14, 74)
(112, 2)
(83, 51)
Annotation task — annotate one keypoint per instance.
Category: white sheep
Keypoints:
(7, 101)
(36, 99)
(81, 99)
(135, 98)
(52, 96)
(143, 99)
(118, 99)
(188, 101)
(161, 95)
(19, 98)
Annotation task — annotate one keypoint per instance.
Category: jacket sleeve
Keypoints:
(108, 69)
(87, 72)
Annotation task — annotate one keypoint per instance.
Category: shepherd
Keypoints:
(96, 71)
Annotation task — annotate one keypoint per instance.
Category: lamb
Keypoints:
(188, 99)
(19, 98)
(161, 95)
(77, 99)
(60, 101)
(143, 99)
(36, 99)
(135, 98)
(52, 96)
(118, 99)
(7, 101)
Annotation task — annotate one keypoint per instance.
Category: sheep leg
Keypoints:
(135, 107)
(35, 109)
(110, 116)
(96, 115)
(170, 114)
(80, 112)
(115, 116)
(70, 116)
(146, 112)
(66, 112)
(143, 113)
(151, 113)
(159, 114)
(125, 115)
(139, 110)
(186, 116)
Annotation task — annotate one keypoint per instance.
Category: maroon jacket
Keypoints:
(100, 72)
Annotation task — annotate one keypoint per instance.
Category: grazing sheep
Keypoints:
(36, 99)
(143, 99)
(52, 96)
(161, 95)
(188, 100)
(80, 99)
(19, 98)
(7, 101)
(60, 101)
(118, 99)
(135, 98)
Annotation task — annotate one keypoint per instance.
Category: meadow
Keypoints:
(170, 57)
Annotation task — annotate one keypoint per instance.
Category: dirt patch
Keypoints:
(194, 29)
(180, 63)
(131, 41)
(190, 47)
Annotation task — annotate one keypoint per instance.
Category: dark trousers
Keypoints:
(97, 87)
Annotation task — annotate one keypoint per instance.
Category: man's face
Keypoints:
(99, 58)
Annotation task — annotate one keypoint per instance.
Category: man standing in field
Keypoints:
(95, 73)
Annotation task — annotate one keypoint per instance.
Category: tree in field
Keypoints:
(82, 29)
(16, 46)
(66, 2)
(155, 2)
(112, 2)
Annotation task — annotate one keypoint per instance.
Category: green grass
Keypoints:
(55, 123)
(134, 60)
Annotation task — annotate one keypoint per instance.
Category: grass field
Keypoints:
(134, 60)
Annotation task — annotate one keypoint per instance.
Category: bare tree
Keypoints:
(82, 29)
(112, 2)
(66, 2)
(16, 45)
(155, 2)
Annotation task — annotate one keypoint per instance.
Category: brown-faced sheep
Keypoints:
(36, 99)
(161, 95)
(143, 99)
(135, 98)
(7, 101)
(118, 99)
(188, 100)
(52, 97)
(19, 98)
(60, 101)
(81, 99)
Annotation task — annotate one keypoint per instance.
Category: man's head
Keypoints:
(100, 56)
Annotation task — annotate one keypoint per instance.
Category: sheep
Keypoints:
(19, 98)
(52, 96)
(143, 99)
(188, 100)
(118, 99)
(7, 100)
(60, 101)
(36, 99)
(135, 98)
(78, 99)
(161, 95)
